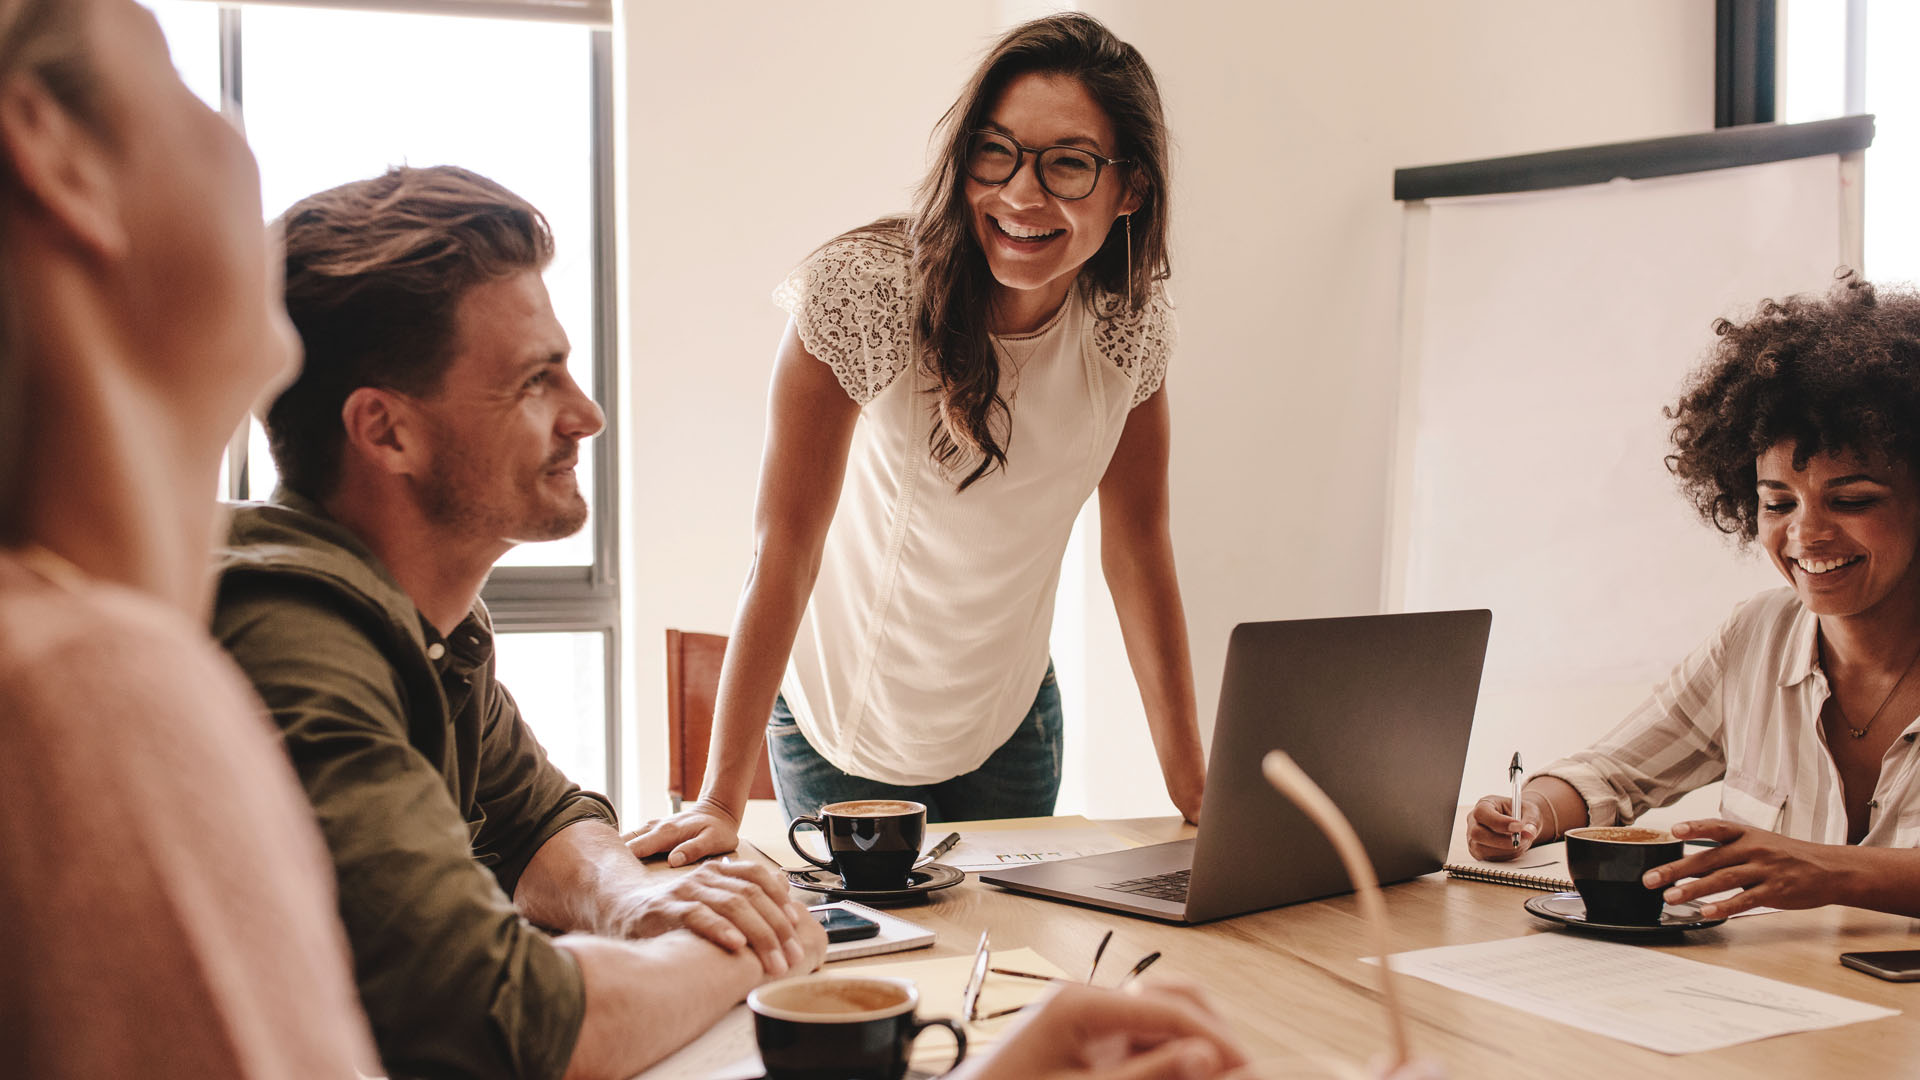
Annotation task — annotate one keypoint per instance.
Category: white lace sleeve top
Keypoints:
(925, 639)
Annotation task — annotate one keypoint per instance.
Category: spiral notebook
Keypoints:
(1543, 868)
(1539, 868)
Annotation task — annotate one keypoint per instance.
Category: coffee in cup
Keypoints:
(871, 843)
(1607, 864)
(840, 1027)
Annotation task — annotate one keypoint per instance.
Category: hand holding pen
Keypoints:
(1515, 774)
(1497, 827)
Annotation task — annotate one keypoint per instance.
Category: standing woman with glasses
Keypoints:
(952, 386)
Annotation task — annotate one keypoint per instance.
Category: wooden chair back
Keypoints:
(693, 681)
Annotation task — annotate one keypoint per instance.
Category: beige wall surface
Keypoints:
(754, 131)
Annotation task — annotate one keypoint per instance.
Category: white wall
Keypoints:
(755, 131)
(1599, 575)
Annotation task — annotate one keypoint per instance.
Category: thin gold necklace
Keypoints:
(1861, 731)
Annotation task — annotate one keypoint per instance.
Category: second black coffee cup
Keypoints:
(871, 843)
(1607, 863)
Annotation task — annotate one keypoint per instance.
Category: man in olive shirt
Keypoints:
(435, 426)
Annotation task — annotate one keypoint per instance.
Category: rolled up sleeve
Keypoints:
(1666, 747)
(454, 981)
(525, 797)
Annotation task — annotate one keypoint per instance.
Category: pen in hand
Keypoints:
(1515, 773)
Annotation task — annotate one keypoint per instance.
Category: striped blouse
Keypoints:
(1745, 708)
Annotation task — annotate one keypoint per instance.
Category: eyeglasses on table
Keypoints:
(982, 966)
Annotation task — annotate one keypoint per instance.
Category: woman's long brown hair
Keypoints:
(951, 284)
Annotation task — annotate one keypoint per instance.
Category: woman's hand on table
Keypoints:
(702, 829)
(1144, 1032)
(1491, 827)
(1770, 869)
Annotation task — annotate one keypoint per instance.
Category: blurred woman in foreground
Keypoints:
(169, 908)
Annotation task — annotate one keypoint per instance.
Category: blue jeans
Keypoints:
(1021, 779)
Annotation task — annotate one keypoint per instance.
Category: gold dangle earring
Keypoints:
(1128, 220)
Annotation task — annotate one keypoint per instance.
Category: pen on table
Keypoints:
(1515, 773)
(1098, 951)
(1026, 975)
(1145, 963)
(941, 848)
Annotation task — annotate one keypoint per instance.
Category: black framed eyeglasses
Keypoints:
(983, 964)
(1065, 172)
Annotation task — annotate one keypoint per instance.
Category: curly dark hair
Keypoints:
(1836, 373)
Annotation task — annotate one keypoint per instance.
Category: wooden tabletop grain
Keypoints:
(1291, 980)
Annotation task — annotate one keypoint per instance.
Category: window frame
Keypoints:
(534, 599)
(1746, 45)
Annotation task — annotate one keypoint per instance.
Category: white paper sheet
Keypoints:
(982, 850)
(1636, 995)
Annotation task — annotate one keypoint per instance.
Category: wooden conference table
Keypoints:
(1290, 980)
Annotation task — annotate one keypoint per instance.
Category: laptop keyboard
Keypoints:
(1170, 887)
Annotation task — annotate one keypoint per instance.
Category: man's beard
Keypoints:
(448, 499)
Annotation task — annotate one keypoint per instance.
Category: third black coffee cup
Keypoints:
(840, 1027)
(872, 843)
(1607, 863)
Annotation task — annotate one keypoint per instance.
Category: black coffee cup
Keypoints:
(872, 842)
(840, 1027)
(1607, 863)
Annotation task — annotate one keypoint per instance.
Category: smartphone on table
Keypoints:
(844, 925)
(1894, 965)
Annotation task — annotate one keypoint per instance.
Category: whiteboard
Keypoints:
(1542, 334)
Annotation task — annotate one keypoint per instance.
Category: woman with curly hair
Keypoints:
(952, 386)
(1802, 434)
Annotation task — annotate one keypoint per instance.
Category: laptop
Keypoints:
(1377, 709)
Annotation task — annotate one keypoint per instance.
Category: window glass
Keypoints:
(333, 96)
(193, 37)
(1814, 43)
(1813, 48)
(559, 680)
(1893, 162)
(260, 471)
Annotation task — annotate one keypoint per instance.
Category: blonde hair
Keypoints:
(42, 40)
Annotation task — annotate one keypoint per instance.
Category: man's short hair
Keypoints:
(376, 270)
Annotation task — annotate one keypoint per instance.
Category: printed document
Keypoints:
(1651, 999)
